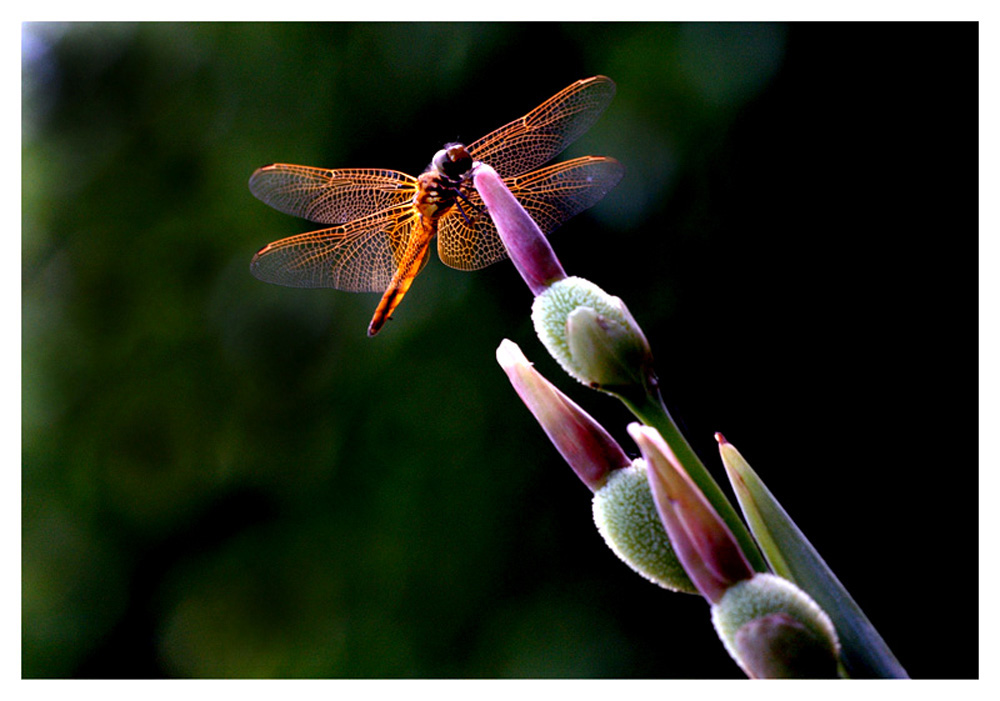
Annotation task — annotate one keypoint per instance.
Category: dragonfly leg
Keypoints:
(458, 204)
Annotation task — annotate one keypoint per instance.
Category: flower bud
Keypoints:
(771, 628)
(526, 245)
(583, 443)
(592, 335)
(704, 544)
(627, 520)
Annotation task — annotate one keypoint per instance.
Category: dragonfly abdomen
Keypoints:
(412, 261)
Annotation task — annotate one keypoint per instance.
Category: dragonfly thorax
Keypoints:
(442, 183)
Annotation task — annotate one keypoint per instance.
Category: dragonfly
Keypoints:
(382, 222)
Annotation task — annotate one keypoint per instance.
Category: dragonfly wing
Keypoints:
(468, 239)
(557, 192)
(328, 196)
(551, 195)
(360, 256)
(543, 133)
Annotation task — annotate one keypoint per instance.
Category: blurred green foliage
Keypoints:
(223, 478)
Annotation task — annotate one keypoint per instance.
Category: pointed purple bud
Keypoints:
(583, 443)
(526, 245)
(703, 543)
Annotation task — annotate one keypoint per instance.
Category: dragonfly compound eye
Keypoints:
(453, 161)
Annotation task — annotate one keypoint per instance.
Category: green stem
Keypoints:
(649, 408)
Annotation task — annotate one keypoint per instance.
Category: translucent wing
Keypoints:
(543, 133)
(360, 256)
(551, 195)
(328, 196)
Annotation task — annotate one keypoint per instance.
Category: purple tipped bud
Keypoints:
(526, 245)
(703, 543)
(583, 443)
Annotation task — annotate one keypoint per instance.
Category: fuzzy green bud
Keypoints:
(771, 628)
(592, 335)
(626, 517)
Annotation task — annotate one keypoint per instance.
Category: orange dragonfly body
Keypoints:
(385, 220)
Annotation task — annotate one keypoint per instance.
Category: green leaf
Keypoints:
(863, 651)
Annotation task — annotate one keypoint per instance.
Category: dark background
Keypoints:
(225, 478)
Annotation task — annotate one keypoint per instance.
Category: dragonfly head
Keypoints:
(453, 161)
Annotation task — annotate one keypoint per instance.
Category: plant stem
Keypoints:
(649, 408)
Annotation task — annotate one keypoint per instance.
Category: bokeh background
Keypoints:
(222, 478)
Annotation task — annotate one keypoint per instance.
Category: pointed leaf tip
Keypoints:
(864, 653)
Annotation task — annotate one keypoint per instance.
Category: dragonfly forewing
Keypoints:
(547, 130)
(331, 196)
